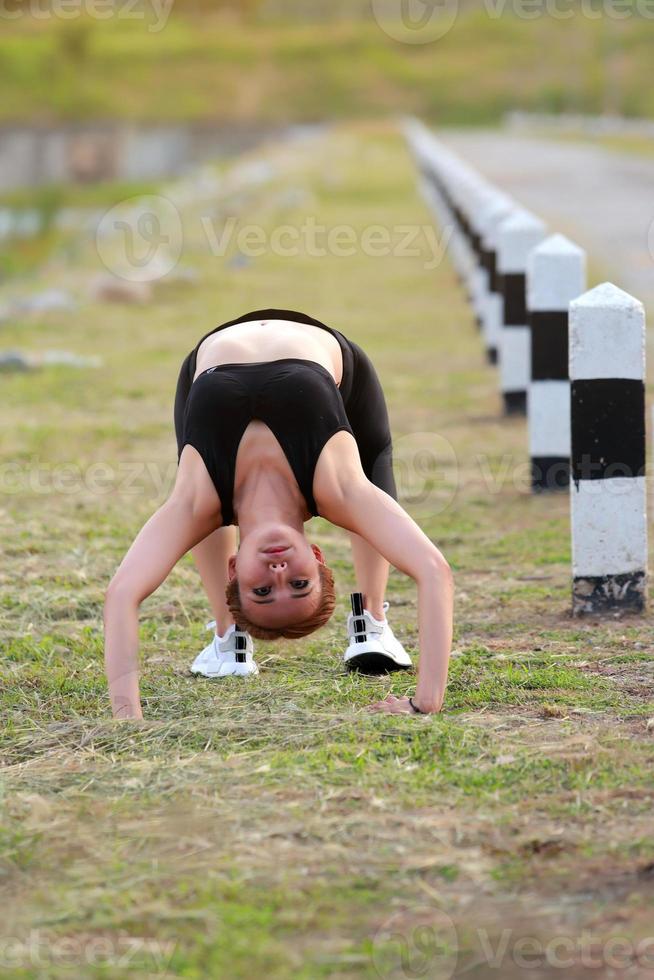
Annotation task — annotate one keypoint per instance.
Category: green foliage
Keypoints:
(73, 42)
(253, 66)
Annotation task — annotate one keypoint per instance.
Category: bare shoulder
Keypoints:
(194, 483)
(337, 471)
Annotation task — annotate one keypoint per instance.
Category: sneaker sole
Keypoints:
(374, 663)
(217, 676)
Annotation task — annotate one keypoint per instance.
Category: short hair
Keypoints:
(294, 631)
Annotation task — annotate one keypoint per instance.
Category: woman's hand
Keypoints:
(178, 525)
(363, 508)
(397, 706)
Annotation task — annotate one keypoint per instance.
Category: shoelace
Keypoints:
(240, 643)
(369, 624)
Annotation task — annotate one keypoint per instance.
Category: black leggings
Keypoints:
(364, 402)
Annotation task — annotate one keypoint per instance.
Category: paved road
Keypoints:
(602, 199)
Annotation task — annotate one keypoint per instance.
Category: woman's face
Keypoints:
(278, 578)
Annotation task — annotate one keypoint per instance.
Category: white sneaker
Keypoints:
(230, 657)
(373, 648)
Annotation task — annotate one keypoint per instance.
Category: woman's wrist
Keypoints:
(425, 705)
(125, 707)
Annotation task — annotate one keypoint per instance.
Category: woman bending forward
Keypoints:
(280, 418)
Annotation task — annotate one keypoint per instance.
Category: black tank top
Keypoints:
(297, 399)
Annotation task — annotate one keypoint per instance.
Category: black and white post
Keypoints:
(556, 274)
(517, 236)
(496, 211)
(608, 487)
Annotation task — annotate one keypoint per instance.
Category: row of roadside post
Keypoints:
(571, 360)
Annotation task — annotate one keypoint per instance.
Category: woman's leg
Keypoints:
(372, 572)
(368, 415)
(372, 648)
(211, 557)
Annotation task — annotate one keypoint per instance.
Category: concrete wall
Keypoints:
(33, 157)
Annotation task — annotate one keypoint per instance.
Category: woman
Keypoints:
(280, 418)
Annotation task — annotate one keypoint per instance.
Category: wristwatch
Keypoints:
(416, 709)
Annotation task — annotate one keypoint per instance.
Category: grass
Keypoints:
(24, 257)
(208, 68)
(273, 826)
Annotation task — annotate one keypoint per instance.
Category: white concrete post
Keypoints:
(517, 236)
(498, 208)
(556, 274)
(608, 487)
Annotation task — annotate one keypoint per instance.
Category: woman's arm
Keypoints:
(185, 519)
(352, 502)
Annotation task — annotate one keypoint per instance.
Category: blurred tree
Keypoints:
(74, 41)
(248, 10)
(613, 61)
(304, 11)
(48, 201)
